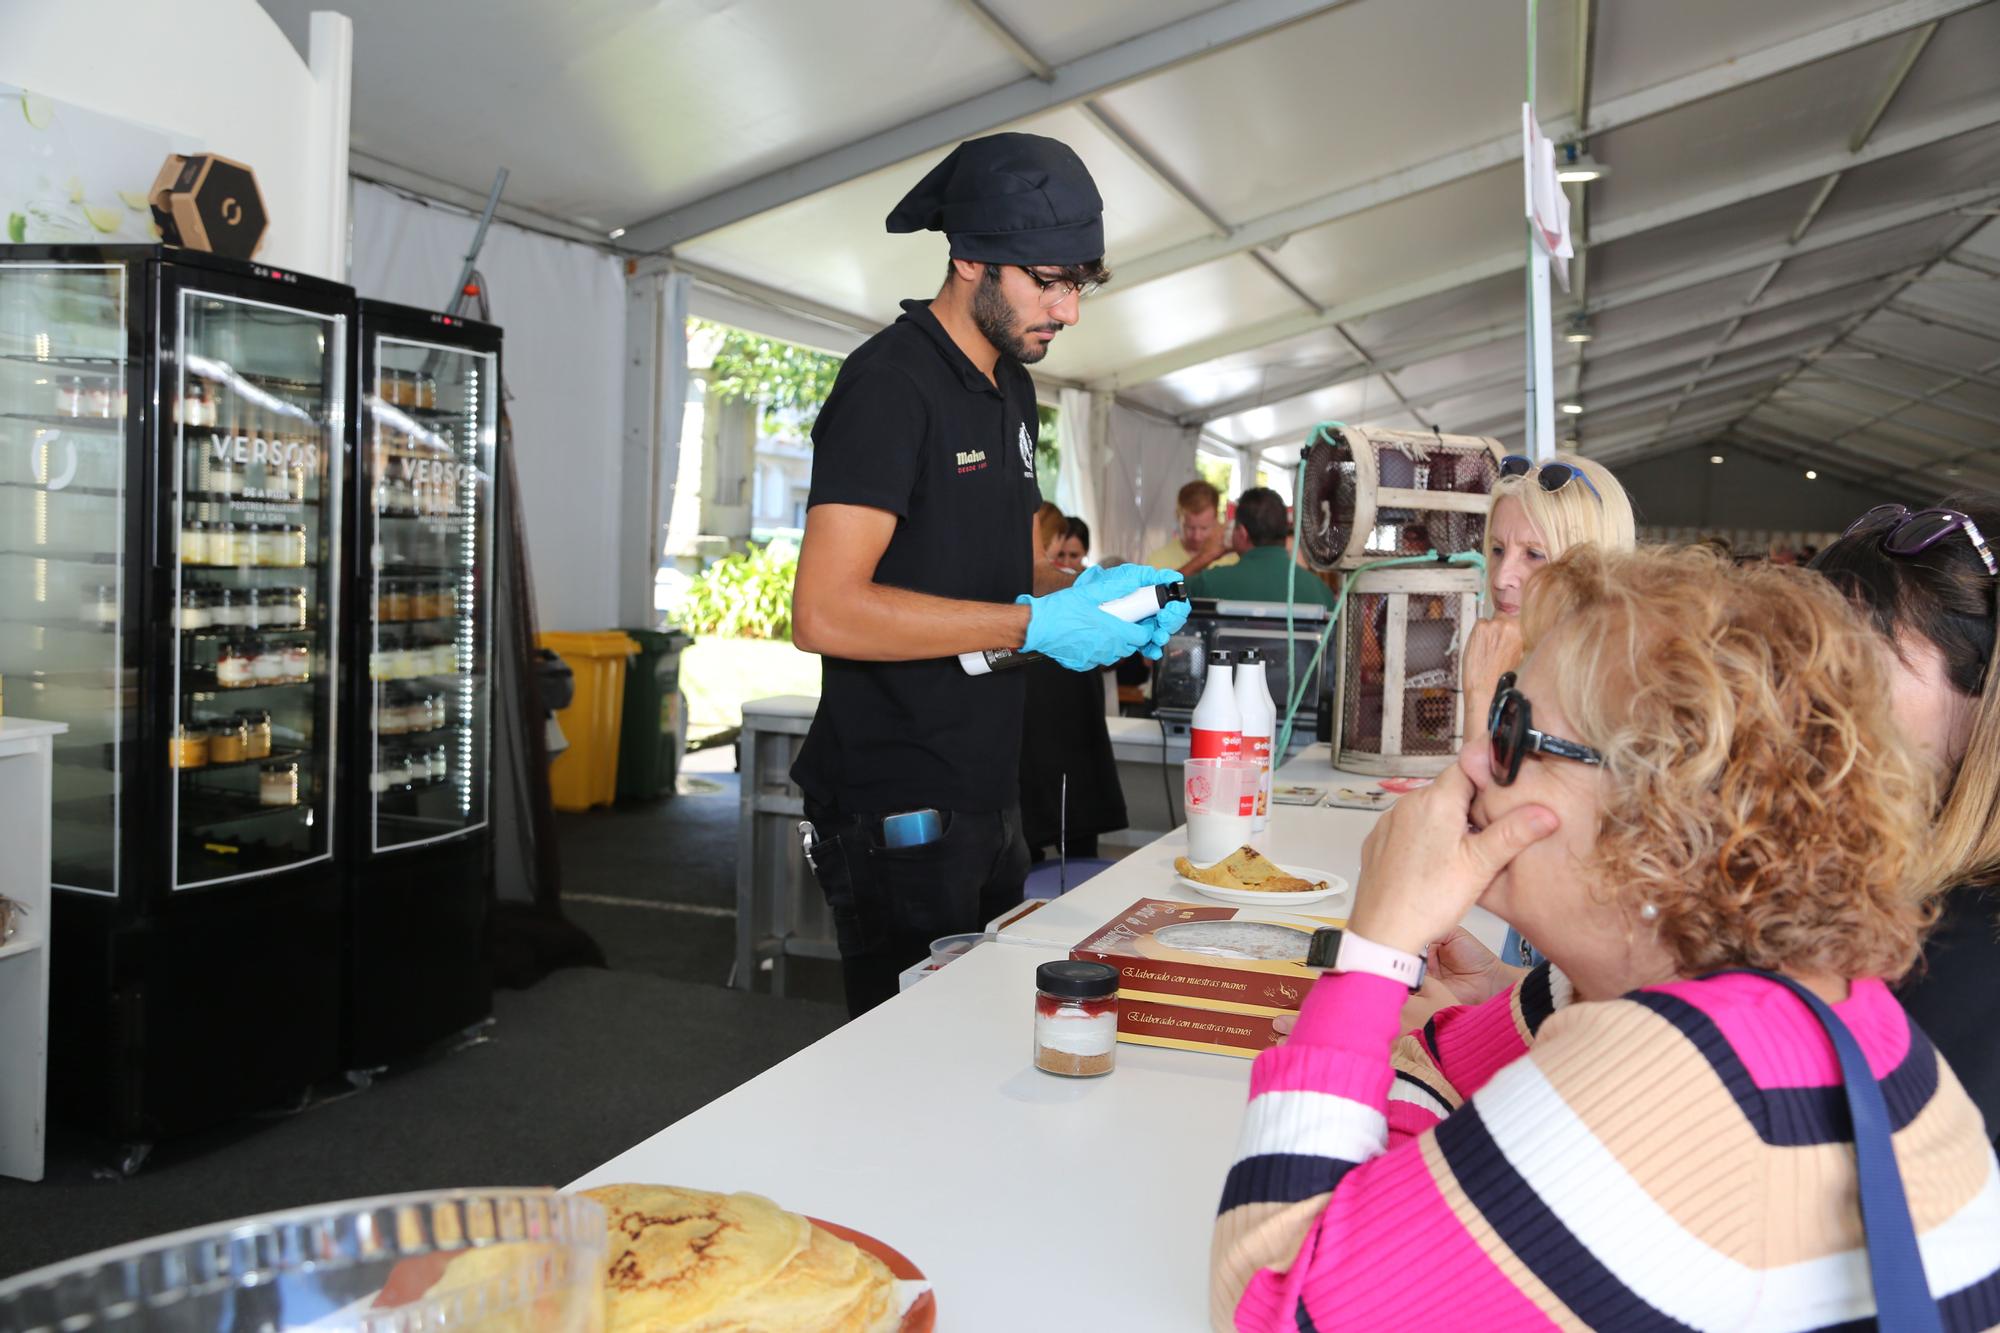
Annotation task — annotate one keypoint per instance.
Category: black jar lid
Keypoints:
(1074, 979)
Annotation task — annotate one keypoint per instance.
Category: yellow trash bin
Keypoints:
(586, 774)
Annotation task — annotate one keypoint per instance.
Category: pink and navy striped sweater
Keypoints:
(1678, 1158)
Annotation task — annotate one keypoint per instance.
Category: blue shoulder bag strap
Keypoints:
(1902, 1295)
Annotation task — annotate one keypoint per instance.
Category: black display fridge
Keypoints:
(416, 770)
(172, 436)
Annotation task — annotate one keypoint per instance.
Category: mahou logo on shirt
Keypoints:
(1027, 453)
(971, 461)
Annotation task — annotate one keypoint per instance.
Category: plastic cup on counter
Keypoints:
(1214, 792)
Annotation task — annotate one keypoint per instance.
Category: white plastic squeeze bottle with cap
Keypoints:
(1260, 722)
(1217, 730)
(1132, 608)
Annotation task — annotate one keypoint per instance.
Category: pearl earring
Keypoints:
(1648, 912)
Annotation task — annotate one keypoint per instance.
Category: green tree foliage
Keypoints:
(744, 596)
(1048, 455)
(774, 375)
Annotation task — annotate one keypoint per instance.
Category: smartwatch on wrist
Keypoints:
(1336, 950)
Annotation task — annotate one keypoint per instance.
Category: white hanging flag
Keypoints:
(1547, 201)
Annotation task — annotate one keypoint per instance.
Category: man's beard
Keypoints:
(994, 319)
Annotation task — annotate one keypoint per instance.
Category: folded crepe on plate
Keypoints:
(734, 1263)
(1246, 868)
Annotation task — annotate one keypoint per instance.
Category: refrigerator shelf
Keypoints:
(108, 424)
(247, 501)
(411, 624)
(196, 684)
(226, 632)
(203, 809)
(68, 624)
(190, 567)
(398, 570)
(105, 492)
(64, 557)
(92, 365)
(277, 756)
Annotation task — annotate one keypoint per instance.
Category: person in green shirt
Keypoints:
(1262, 538)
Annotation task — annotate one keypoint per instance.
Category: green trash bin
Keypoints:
(653, 734)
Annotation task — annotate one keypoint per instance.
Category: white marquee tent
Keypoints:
(1313, 206)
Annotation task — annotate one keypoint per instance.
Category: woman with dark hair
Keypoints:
(1929, 581)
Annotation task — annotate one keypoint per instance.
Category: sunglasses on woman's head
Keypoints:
(1909, 533)
(1551, 476)
(1906, 534)
(1510, 724)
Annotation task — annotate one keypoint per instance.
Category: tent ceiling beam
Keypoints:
(1913, 49)
(1138, 57)
(1929, 397)
(1268, 331)
(1959, 236)
(1914, 362)
(1487, 337)
(1671, 95)
(1315, 381)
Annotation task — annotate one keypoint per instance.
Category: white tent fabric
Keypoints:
(1080, 467)
(563, 307)
(1146, 459)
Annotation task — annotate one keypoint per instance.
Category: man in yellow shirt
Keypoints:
(1263, 535)
(1202, 541)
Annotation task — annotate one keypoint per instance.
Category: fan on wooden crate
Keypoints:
(1368, 496)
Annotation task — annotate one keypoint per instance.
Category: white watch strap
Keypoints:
(1379, 960)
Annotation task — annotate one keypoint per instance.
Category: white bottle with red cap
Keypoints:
(1259, 717)
(1217, 729)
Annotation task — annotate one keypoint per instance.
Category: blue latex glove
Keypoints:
(1068, 627)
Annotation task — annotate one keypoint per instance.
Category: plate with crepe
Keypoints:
(1248, 877)
(699, 1260)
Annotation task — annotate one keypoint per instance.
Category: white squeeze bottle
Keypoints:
(1260, 723)
(1217, 731)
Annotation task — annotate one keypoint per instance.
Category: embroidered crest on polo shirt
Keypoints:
(1027, 452)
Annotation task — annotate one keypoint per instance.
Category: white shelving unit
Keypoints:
(26, 757)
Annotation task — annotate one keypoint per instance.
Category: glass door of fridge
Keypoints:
(65, 367)
(427, 448)
(254, 417)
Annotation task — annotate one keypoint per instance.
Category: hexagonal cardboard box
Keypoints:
(207, 202)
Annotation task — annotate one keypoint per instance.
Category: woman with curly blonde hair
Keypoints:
(1695, 770)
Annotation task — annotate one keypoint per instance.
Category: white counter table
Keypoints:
(1030, 1201)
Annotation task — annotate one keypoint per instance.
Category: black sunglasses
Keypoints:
(1551, 476)
(1906, 534)
(1913, 534)
(1510, 724)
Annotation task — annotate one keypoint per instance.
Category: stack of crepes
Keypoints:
(734, 1263)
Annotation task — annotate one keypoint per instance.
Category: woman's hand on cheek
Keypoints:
(1423, 867)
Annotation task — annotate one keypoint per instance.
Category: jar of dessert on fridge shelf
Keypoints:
(192, 612)
(234, 667)
(278, 784)
(298, 661)
(268, 664)
(256, 732)
(228, 741)
(188, 746)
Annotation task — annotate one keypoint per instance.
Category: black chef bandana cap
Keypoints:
(1009, 199)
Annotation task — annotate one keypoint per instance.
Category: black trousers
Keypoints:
(889, 903)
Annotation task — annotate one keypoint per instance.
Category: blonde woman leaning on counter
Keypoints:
(1536, 513)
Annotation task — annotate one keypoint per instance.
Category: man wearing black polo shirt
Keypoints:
(919, 546)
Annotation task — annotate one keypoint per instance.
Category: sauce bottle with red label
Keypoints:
(1217, 730)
